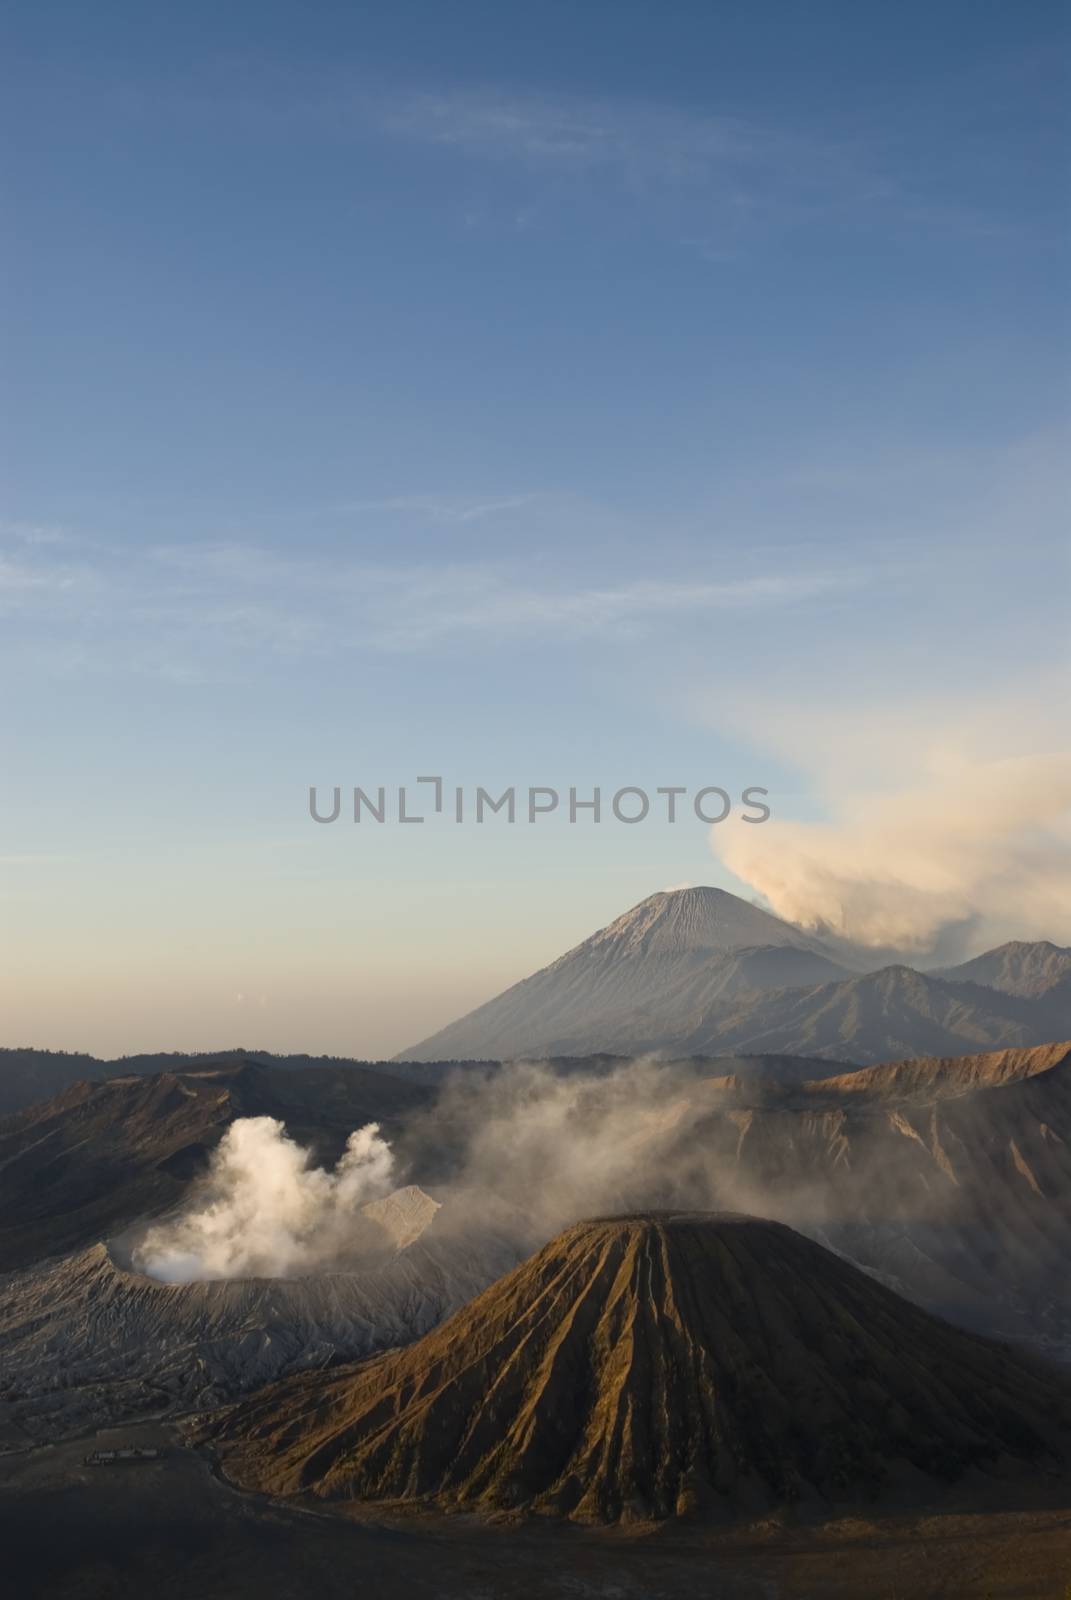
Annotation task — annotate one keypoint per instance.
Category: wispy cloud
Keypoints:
(323, 604)
(638, 140)
(37, 533)
(733, 175)
(458, 509)
(717, 172)
(419, 610)
(713, 178)
(22, 580)
(747, 171)
(185, 605)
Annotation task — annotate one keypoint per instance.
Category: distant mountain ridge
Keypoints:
(692, 972)
(1016, 968)
(29, 1077)
(876, 1016)
(701, 972)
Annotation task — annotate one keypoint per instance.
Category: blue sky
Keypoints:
(538, 394)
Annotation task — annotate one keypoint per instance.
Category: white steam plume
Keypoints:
(529, 1149)
(265, 1212)
(946, 811)
(513, 1155)
(559, 1146)
(984, 846)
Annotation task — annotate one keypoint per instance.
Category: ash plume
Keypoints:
(265, 1211)
(978, 853)
(517, 1152)
(562, 1146)
(524, 1150)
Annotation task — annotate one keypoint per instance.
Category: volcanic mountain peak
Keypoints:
(635, 984)
(700, 971)
(651, 1365)
(698, 921)
(88, 1340)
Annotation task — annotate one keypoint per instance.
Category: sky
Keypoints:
(618, 394)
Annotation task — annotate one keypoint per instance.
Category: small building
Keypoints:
(107, 1458)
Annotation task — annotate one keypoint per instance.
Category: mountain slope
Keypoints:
(893, 1012)
(28, 1077)
(1016, 968)
(700, 972)
(934, 1079)
(673, 955)
(89, 1341)
(648, 1366)
(949, 1178)
(80, 1166)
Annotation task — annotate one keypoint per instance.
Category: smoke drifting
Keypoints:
(562, 1146)
(510, 1155)
(519, 1151)
(983, 849)
(264, 1211)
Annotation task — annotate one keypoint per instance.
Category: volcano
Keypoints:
(648, 1366)
(700, 972)
(649, 977)
(88, 1341)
